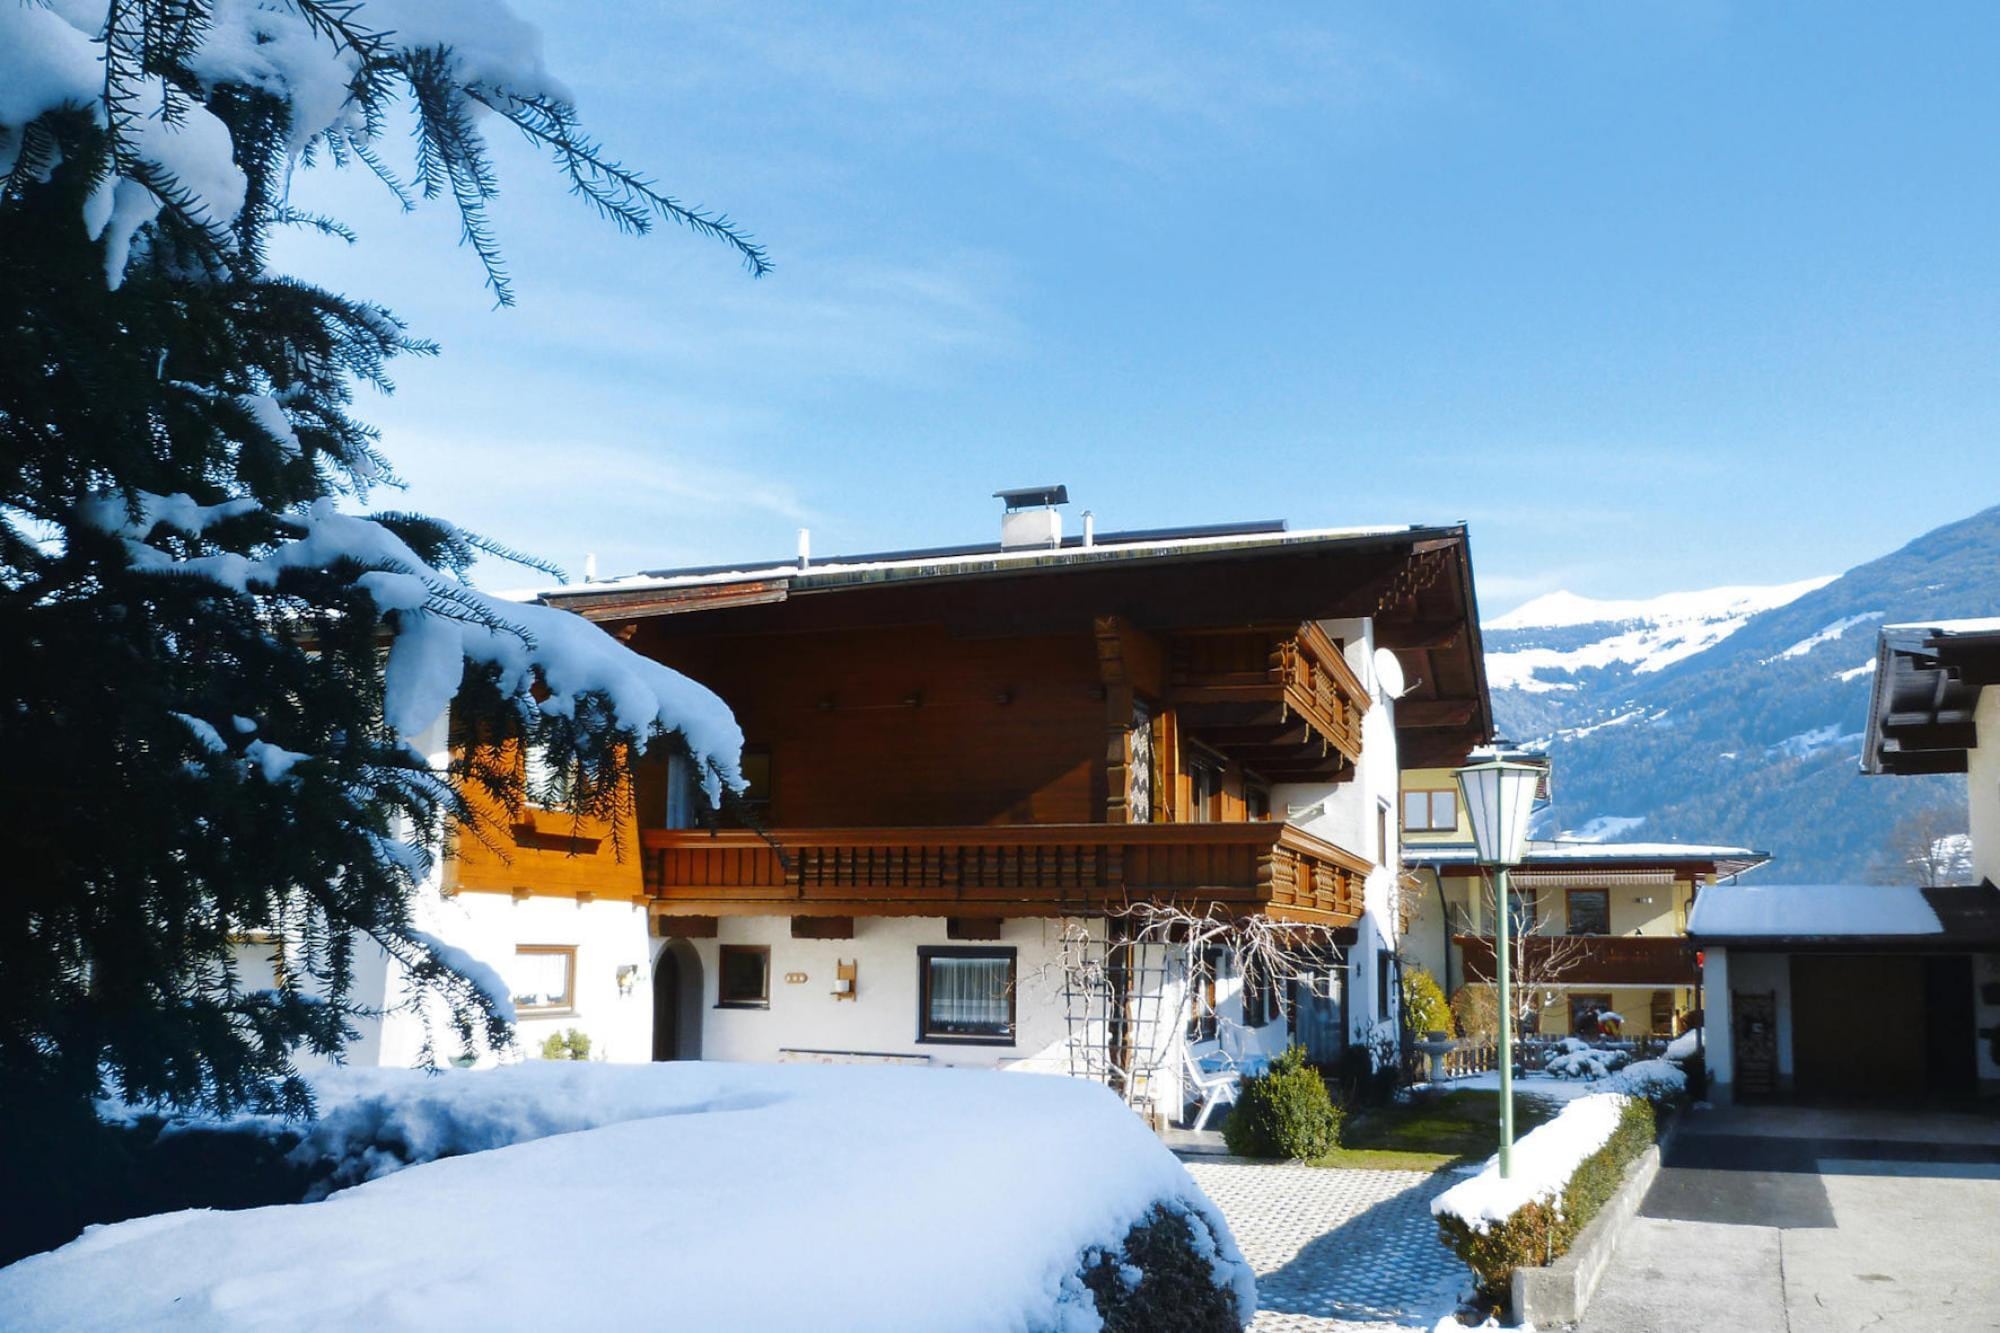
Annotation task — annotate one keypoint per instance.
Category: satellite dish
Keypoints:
(1389, 674)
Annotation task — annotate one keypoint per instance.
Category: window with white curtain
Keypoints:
(542, 978)
(965, 995)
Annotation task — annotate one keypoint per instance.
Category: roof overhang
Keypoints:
(1614, 864)
(1968, 918)
(1928, 680)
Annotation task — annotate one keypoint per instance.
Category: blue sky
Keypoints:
(1654, 296)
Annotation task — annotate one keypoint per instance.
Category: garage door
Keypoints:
(1880, 1026)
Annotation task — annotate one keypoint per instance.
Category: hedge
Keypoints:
(1540, 1233)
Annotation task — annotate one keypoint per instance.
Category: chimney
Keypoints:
(1030, 519)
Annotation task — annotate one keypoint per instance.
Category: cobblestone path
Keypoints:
(1337, 1251)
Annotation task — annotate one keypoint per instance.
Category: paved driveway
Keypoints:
(1337, 1251)
(1792, 1220)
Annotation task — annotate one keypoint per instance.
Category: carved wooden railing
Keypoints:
(1296, 672)
(1004, 869)
(1591, 960)
(1322, 688)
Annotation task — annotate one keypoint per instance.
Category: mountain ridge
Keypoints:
(1736, 718)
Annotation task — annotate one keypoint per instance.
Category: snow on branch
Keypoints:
(146, 74)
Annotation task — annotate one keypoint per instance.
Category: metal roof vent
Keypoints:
(1031, 518)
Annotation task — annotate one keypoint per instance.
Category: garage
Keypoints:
(1847, 994)
(1882, 1026)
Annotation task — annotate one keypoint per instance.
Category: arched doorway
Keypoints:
(677, 1002)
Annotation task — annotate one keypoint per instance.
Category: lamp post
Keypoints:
(1499, 796)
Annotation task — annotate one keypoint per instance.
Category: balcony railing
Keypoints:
(1004, 870)
(1283, 701)
(1590, 960)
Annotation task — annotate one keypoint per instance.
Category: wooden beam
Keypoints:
(822, 927)
(972, 927)
(1412, 635)
(684, 927)
(1427, 713)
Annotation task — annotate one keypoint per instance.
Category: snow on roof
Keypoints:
(1815, 910)
(1574, 853)
(1946, 629)
(838, 570)
(726, 1195)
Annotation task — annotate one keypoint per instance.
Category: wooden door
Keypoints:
(1756, 1042)
(1858, 1026)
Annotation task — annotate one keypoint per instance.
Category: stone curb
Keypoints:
(1559, 1293)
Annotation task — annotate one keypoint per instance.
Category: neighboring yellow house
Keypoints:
(1606, 921)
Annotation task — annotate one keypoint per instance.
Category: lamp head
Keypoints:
(1499, 797)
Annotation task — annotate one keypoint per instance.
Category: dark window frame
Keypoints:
(722, 999)
(1569, 913)
(989, 953)
(1260, 995)
(1202, 1019)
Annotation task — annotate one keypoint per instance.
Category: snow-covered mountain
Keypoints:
(1734, 714)
(1562, 636)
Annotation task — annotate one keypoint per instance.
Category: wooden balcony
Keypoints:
(1004, 870)
(1599, 960)
(1281, 701)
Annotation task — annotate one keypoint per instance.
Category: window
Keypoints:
(1201, 996)
(1525, 914)
(1589, 912)
(965, 995)
(1384, 994)
(682, 802)
(543, 978)
(1259, 996)
(1256, 800)
(1430, 811)
(1381, 833)
(1583, 1012)
(1204, 793)
(743, 977)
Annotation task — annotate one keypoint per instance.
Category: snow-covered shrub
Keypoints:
(1162, 1280)
(1564, 1172)
(1685, 1047)
(899, 1198)
(1658, 1081)
(1578, 1059)
(1283, 1112)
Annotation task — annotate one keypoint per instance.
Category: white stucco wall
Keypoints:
(1982, 786)
(882, 1018)
(1757, 972)
(491, 926)
(1718, 1033)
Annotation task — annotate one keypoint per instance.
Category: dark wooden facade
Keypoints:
(1031, 737)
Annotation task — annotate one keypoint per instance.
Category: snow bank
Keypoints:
(706, 1195)
(1544, 1160)
(1812, 909)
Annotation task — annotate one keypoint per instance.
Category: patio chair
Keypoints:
(1212, 1087)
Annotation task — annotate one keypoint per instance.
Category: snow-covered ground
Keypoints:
(699, 1195)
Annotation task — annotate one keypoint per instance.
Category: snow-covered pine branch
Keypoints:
(218, 671)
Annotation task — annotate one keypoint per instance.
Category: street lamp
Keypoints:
(1499, 796)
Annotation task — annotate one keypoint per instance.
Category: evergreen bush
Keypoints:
(1424, 1002)
(1284, 1112)
(1540, 1233)
(569, 1044)
(1161, 1280)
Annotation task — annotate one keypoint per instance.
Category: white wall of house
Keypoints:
(1718, 1031)
(882, 1018)
(1361, 816)
(1754, 973)
(1982, 786)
